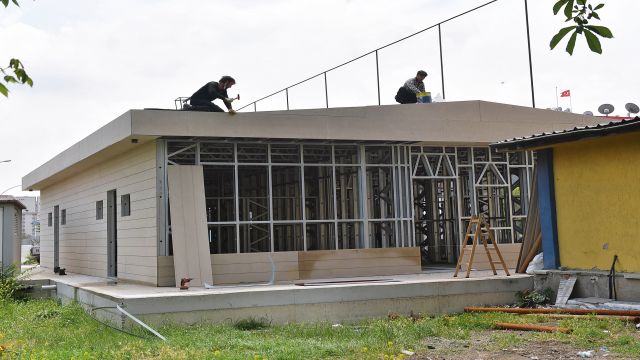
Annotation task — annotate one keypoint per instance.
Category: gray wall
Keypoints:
(10, 233)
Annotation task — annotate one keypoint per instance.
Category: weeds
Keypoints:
(10, 286)
(534, 299)
(252, 324)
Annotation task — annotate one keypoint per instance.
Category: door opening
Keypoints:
(436, 220)
(56, 236)
(112, 235)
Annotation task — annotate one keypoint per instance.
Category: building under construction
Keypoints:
(324, 192)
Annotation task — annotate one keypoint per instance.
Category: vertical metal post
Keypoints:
(303, 198)
(378, 76)
(441, 63)
(364, 210)
(326, 91)
(236, 190)
(254, 107)
(526, 14)
(270, 194)
(286, 91)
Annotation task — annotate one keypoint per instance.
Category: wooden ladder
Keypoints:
(480, 231)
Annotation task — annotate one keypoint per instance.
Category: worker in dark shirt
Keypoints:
(202, 99)
(407, 93)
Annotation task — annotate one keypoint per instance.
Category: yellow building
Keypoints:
(589, 187)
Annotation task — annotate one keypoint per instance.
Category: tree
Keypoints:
(580, 13)
(15, 72)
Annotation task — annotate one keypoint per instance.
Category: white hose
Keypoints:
(141, 323)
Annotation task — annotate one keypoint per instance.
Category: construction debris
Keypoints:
(631, 319)
(555, 311)
(531, 327)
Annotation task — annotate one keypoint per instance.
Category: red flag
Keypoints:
(565, 93)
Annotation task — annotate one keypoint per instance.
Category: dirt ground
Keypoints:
(479, 347)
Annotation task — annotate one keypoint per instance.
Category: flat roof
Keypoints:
(472, 123)
(8, 199)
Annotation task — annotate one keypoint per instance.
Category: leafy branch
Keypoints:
(14, 73)
(580, 13)
(6, 2)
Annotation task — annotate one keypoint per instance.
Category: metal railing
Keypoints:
(324, 73)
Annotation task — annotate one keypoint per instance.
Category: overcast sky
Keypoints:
(93, 60)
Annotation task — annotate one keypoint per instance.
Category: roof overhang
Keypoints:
(578, 133)
(453, 123)
(8, 199)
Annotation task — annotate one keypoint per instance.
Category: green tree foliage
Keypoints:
(580, 13)
(15, 72)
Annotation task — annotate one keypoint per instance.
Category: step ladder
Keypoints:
(480, 232)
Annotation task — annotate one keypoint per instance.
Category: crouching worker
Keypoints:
(202, 99)
(407, 93)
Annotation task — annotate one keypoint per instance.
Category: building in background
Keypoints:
(10, 230)
(30, 219)
(588, 183)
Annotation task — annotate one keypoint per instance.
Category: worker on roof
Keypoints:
(203, 98)
(407, 93)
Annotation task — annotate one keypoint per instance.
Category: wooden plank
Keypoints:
(189, 224)
(359, 262)
(250, 258)
(356, 263)
(263, 268)
(358, 253)
(377, 271)
(508, 251)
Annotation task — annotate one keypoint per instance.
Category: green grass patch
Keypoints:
(43, 329)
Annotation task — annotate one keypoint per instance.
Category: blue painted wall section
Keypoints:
(547, 205)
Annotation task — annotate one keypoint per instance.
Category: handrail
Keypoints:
(286, 89)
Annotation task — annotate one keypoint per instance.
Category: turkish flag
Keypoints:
(565, 93)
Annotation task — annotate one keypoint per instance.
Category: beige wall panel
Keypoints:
(83, 239)
(509, 253)
(359, 262)
(262, 268)
(189, 224)
(372, 271)
(130, 171)
(255, 277)
(356, 263)
(358, 253)
(256, 267)
(252, 258)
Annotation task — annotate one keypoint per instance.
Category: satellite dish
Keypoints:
(632, 108)
(588, 113)
(605, 109)
(567, 110)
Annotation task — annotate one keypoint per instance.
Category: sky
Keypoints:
(91, 61)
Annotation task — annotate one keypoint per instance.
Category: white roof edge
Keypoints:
(461, 122)
(107, 135)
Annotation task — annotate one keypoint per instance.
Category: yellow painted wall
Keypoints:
(597, 185)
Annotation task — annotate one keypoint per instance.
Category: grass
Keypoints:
(42, 329)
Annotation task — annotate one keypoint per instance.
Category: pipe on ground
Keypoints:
(530, 327)
(632, 319)
(555, 311)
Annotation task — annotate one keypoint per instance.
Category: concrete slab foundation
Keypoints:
(591, 283)
(427, 293)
